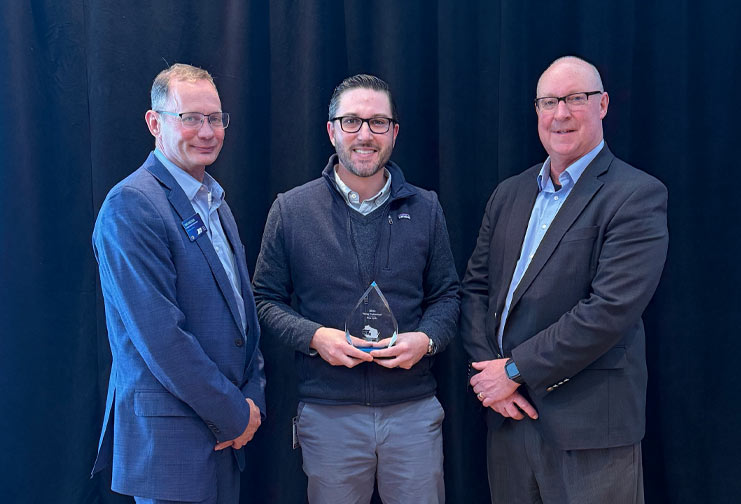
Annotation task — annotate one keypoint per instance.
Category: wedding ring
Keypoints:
(480, 395)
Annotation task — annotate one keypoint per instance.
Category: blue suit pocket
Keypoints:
(160, 404)
(613, 359)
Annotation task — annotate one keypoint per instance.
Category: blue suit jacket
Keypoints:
(182, 366)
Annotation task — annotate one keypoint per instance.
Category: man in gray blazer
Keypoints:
(568, 256)
(187, 385)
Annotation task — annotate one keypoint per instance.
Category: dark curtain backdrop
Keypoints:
(75, 81)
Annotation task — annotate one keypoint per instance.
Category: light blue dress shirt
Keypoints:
(206, 199)
(547, 204)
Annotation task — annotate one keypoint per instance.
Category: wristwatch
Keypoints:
(431, 347)
(512, 372)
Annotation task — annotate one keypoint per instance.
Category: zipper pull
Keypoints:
(391, 221)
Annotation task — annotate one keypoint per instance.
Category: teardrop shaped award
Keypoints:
(371, 320)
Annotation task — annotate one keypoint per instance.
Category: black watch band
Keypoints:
(512, 372)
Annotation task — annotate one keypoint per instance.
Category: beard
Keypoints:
(362, 168)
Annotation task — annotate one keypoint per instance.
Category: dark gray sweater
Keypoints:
(308, 252)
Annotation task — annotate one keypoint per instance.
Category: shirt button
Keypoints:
(555, 198)
(543, 226)
(239, 342)
(531, 256)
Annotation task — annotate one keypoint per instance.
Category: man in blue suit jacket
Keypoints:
(186, 390)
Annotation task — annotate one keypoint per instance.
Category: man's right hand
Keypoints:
(249, 431)
(513, 407)
(334, 348)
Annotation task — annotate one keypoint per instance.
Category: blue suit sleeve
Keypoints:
(255, 386)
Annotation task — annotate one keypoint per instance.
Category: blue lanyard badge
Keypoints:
(195, 227)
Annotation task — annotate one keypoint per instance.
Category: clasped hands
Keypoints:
(496, 391)
(333, 347)
(248, 433)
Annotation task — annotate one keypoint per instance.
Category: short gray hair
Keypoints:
(178, 72)
(362, 81)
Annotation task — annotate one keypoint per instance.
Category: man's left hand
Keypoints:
(492, 382)
(410, 347)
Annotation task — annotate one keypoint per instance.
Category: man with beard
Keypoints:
(362, 414)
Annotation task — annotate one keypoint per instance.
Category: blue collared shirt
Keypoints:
(547, 204)
(206, 199)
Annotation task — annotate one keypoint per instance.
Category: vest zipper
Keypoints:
(388, 244)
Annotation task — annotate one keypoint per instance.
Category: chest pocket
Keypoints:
(579, 234)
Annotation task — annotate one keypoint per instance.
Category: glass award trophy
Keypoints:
(371, 320)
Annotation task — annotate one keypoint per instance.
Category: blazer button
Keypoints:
(239, 342)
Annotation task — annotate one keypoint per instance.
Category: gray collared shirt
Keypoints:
(353, 199)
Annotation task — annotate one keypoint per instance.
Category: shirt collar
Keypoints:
(189, 184)
(571, 174)
(353, 199)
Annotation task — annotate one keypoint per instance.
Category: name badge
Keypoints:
(194, 227)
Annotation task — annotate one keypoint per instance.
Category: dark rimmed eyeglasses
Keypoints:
(573, 100)
(352, 124)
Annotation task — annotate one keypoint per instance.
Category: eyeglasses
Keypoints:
(194, 120)
(352, 124)
(573, 100)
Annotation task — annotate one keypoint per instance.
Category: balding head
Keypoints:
(577, 66)
(572, 128)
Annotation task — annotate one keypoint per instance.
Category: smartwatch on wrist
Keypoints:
(512, 372)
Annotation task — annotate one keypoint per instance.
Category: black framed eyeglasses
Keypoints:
(194, 120)
(573, 100)
(352, 124)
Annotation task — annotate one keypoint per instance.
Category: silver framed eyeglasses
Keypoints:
(573, 100)
(352, 124)
(194, 120)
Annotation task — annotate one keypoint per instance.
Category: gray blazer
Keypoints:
(574, 327)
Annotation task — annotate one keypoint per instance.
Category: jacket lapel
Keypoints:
(184, 209)
(516, 228)
(582, 193)
(232, 234)
(250, 311)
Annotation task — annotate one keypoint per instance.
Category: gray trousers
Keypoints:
(226, 486)
(523, 469)
(346, 447)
